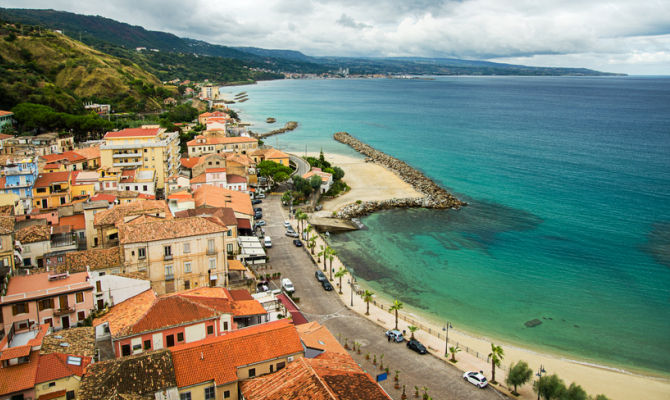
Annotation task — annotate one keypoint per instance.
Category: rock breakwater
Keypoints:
(434, 195)
(289, 126)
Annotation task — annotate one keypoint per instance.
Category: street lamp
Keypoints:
(351, 281)
(539, 376)
(446, 338)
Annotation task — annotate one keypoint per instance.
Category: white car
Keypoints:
(287, 285)
(287, 224)
(476, 378)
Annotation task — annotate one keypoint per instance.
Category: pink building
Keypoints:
(58, 300)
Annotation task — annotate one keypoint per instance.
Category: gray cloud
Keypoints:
(615, 35)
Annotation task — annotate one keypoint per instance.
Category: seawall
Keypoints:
(434, 195)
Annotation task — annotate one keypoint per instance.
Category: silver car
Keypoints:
(476, 378)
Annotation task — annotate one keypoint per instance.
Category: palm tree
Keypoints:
(339, 274)
(331, 255)
(326, 254)
(308, 229)
(453, 350)
(397, 305)
(496, 356)
(412, 329)
(367, 298)
(301, 216)
(312, 242)
(321, 253)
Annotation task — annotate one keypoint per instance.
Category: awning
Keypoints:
(212, 277)
(243, 223)
(235, 265)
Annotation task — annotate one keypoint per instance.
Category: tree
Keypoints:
(321, 253)
(367, 298)
(312, 242)
(338, 173)
(326, 255)
(412, 329)
(331, 254)
(280, 176)
(315, 182)
(301, 216)
(286, 197)
(397, 305)
(601, 397)
(496, 356)
(453, 350)
(519, 374)
(339, 274)
(575, 392)
(550, 387)
(181, 113)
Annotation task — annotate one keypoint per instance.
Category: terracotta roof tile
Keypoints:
(248, 307)
(126, 377)
(29, 286)
(77, 222)
(81, 341)
(117, 213)
(231, 178)
(6, 224)
(202, 178)
(53, 395)
(56, 366)
(236, 265)
(48, 178)
(95, 259)
(317, 336)
(68, 156)
(167, 229)
(212, 196)
(110, 198)
(123, 315)
(89, 153)
(19, 377)
(239, 294)
(220, 140)
(222, 215)
(14, 352)
(189, 162)
(218, 358)
(33, 233)
(171, 311)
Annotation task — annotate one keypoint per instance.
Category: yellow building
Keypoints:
(270, 154)
(148, 146)
(7, 241)
(59, 375)
(52, 189)
(202, 145)
(178, 254)
(84, 183)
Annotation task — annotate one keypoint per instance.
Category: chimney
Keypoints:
(202, 356)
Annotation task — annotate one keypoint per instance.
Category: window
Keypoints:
(169, 340)
(210, 329)
(187, 285)
(147, 345)
(46, 304)
(52, 384)
(79, 297)
(209, 393)
(81, 315)
(70, 395)
(212, 263)
(230, 232)
(187, 267)
(142, 252)
(226, 394)
(281, 366)
(59, 259)
(229, 248)
(167, 251)
(180, 336)
(252, 372)
(185, 396)
(168, 272)
(98, 286)
(272, 367)
(210, 246)
(225, 325)
(20, 308)
(125, 350)
(187, 247)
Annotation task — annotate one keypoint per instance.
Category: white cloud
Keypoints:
(602, 33)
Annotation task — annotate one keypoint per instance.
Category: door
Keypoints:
(125, 350)
(169, 340)
(63, 302)
(44, 203)
(65, 321)
(101, 304)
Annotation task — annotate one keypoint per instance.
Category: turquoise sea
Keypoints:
(568, 180)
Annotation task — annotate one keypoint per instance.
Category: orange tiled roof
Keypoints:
(6, 224)
(236, 265)
(218, 358)
(33, 233)
(53, 395)
(220, 140)
(102, 196)
(19, 377)
(170, 311)
(232, 178)
(4, 135)
(77, 222)
(239, 158)
(333, 377)
(189, 162)
(133, 132)
(214, 170)
(202, 178)
(212, 196)
(3, 113)
(48, 178)
(95, 259)
(167, 229)
(89, 153)
(126, 313)
(14, 352)
(31, 285)
(55, 366)
(248, 307)
(117, 213)
(317, 336)
(69, 156)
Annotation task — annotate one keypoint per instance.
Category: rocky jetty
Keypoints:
(435, 196)
(289, 126)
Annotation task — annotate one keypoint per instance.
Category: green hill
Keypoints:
(44, 67)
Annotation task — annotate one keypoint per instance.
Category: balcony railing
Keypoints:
(126, 155)
(167, 257)
(63, 311)
(169, 277)
(127, 164)
(211, 252)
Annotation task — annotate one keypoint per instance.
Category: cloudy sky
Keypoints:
(630, 36)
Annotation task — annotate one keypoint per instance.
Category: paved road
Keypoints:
(302, 166)
(442, 380)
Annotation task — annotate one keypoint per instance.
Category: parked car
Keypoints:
(267, 241)
(320, 276)
(287, 285)
(476, 378)
(258, 209)
(260, 222)
(297, 242)
(417, 346)
(256, 201)
(262, 286)
(395, 335)
(259, 196)
(287, 224)
(327, 286)
(258, 215)
(292, 234)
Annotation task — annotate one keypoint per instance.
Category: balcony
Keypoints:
(169, 277)
(167, 257)
(62, 311)
(126, 155)
(211, 252)
(127, 164)
(20, 171)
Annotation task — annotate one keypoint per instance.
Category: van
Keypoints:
(287, 285)
(268, 242)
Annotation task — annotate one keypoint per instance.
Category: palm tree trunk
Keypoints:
(493, 370)
(396, 320)
(367, 312)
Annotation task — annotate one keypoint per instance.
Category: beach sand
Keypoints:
(369, 181)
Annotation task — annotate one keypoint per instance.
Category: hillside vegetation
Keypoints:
(43, 67)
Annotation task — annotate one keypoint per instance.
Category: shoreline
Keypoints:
(595, 376)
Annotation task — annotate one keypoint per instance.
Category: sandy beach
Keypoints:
(369, 181)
